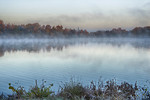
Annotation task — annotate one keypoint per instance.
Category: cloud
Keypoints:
(76, 20)
(147, 5)
(140, 16)
(96, 20)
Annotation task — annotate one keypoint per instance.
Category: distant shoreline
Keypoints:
(51, 31)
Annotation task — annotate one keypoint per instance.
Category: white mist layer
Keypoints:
(33, 44)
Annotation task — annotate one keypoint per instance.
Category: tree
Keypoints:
(48, 29)
(59, 28)
(86, 32)
(2, 26)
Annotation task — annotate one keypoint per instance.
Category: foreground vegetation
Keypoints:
(73, 90)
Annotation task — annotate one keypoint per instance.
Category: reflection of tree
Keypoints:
(1, 52)
(33, 47)
(2, 26)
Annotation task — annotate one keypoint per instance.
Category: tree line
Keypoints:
(36, 28)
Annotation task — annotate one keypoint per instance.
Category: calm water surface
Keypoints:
(125, 59)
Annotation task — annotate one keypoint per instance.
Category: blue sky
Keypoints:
(86, 14)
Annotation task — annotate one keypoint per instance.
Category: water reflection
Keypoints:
(59, 59)
(36, 45)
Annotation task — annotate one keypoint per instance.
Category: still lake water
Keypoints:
(126, 59)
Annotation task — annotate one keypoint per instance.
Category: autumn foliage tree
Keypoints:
(58, 30)
(37, 28)
(2, 26)
(48, 29)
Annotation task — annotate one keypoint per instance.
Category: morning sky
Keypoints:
(87, 14)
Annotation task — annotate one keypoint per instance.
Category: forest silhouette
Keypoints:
(59, 30)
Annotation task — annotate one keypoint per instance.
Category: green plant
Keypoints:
(72, 90)
(76, 91)
(34, 92)
(40, 92)
(145, 91)
(18, 92)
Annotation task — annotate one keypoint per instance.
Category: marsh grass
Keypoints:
(35, 92)
(98, 91)
(2, 96)
(74, 90)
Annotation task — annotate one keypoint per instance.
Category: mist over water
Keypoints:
(86, 59)
(46, 44)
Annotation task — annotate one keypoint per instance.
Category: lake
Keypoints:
(56, 60)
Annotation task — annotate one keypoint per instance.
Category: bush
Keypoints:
(76, 91)
(72, 90)
(34, 92)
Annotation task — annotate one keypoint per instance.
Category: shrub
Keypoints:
(34, 92)
(72, 90)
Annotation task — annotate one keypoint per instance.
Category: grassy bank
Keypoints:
(73, 90)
